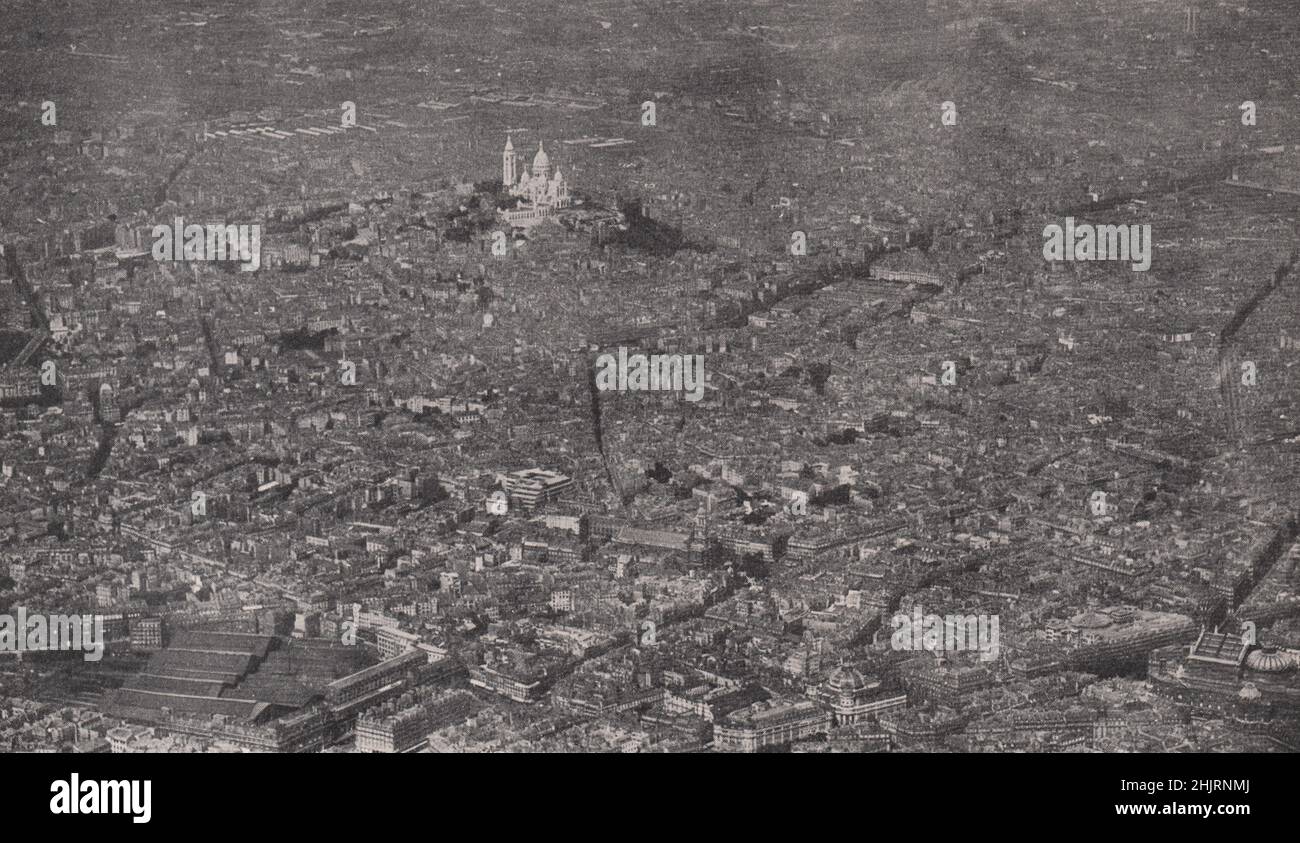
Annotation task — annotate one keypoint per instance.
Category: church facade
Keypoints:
(539, 190)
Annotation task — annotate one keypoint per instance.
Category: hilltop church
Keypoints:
(539, 191)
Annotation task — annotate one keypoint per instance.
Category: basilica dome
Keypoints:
(541, 162)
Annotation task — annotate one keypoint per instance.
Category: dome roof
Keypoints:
(1269, 661)
(1091, 620)
(541, 161)
(846, 680)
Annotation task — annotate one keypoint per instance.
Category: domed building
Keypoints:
(539, 191)
(845, 681)
(854, 697)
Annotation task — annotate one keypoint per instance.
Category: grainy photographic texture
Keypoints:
(648, 376)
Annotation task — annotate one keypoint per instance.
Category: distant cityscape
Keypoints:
(748, 376)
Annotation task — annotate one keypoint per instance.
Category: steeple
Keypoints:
(509, 172)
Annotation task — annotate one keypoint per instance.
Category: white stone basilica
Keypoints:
(539, 192)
